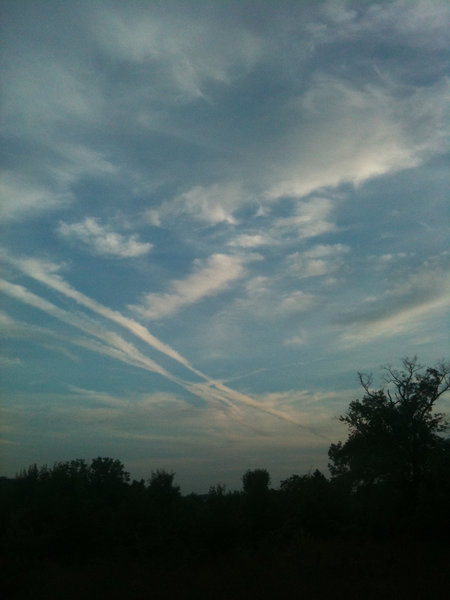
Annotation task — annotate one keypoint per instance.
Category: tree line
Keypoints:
(389, 479)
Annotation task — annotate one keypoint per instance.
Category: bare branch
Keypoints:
(366, 381)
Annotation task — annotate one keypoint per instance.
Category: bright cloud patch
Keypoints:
(212, 205)
(102, 241)
(356, 133)
(321, 259)
(209, 278)
(405, 308)
(251, 241)
(311, 218)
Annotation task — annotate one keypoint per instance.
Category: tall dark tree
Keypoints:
(256, 503)
(161, 486)
(394, 432)
(105, 471)
(256, 482)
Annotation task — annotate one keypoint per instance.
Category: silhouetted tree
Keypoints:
(161, 486)
(107, 472)
(256, 482)
(308, 505)
(256, 503)
(395, 435)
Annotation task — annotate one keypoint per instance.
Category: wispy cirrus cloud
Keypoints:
(118, 348)
(295, 340)
(321, 259)
(263, 299)
(209, 204)
(296, 301)
(42, 187)
(111, 344)
(102, 240)
(20, 197)
(252, 240)
(48, 273)
(191, 51)
(403, 309)
(310, 218)
(209, 279)
(356, 133)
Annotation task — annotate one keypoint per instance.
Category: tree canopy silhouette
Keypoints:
(394, 432)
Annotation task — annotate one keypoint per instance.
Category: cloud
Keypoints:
(20, 197)
(102, 241)
(115, 346)
(74, 161)
(296, 340)
(209, 279)
(264, 299)
(420, 23)
(111, 343)
(403, 309)
(310, 219)
(181, 437)
(246, 240)
(47, 273)
(190, 49)
(319, 260)
(212, 205)
(346, 132)
(213, 134)
(45, 90)
(297, 301)
(40, 186)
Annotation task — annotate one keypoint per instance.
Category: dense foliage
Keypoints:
(396, 460)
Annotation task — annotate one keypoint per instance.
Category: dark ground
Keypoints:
(313, 569)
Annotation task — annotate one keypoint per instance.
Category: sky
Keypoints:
(213, 215)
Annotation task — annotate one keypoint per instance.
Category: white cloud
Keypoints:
(42, 186)
(101, 240)
(212, 205)
(263, 299)
(47, 273)
(246, 240)
(419, 23)
(297, 301)
(209, 278)
(321, 259)
(20, 197)
(310, 219)
(77, 161)
(403, 321)
(189, 49)
(346, 132)
(401, 310)
(296, 340)
(116, 347)
(110, 344)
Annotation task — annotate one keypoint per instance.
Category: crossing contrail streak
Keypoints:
(213, 390)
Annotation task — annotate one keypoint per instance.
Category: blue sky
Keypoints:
(213, 215)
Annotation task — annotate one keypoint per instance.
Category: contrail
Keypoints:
(112, 340)
(33, 268)
(36, 269)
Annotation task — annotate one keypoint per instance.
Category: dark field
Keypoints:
(312, 570)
